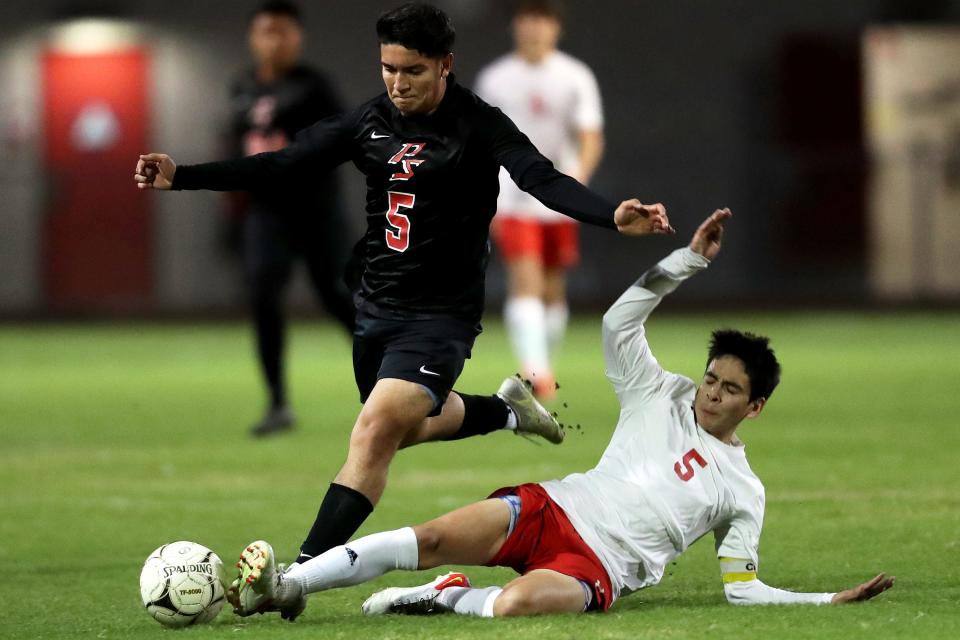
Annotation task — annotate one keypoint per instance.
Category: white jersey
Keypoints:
(663, 481)
(551, 102)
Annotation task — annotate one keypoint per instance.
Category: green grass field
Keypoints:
(117, 439)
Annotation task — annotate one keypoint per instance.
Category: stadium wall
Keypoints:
(699, 114)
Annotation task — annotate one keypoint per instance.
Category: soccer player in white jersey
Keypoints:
(553, 98)
(674, 471)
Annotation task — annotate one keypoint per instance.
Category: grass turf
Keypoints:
(120, 438)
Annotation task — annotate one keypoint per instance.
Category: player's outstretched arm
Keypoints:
(754, 592)
(155, 171)
(629, 361)
(865, 591)
(536, 175)
(742, 586)
(316, 150)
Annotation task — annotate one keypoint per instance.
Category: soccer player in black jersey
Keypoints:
(431, 152)
(270, 103)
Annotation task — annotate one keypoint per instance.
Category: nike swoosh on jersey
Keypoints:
(375, 136)
(423, 369)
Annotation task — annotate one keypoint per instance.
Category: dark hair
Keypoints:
(549, 8)
(754, 352)
(417, 26)
(279, 8)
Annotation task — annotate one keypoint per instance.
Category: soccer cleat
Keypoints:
(259, 584)
(412, 600)
(275, 420)
(532, 418)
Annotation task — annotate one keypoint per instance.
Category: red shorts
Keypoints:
(544, 538)
(556, 244)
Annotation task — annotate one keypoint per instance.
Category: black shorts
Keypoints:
(427, 351)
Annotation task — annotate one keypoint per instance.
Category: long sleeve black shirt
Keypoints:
(431, 193)
(267, 116)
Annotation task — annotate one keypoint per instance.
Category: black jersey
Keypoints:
(432, 186)
(266, 116)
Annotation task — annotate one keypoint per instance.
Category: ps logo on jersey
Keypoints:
(405, 157)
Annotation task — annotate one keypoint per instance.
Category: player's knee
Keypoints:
(375, 431)
(428, 545)
(515, 602)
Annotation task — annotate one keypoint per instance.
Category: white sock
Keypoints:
(288, 591)
(467, 601)
(511, 419)
(556, 316)
(358, 561)
(526, 325)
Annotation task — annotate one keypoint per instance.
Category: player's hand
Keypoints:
(865, 591)
(706, 240)
(634, 218)
(155, 171)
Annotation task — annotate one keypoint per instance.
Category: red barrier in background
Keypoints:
(98, 251)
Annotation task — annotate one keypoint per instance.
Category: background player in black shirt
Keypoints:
(270, 103)
(431, 152)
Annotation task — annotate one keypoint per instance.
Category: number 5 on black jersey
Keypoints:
(398, 231)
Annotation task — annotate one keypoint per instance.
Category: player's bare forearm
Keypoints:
(589, 155)
(706, 239)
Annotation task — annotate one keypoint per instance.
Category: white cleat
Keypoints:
(412, 600)
(258, 585)
(532, 417)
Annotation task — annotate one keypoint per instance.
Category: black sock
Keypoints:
(341, 513)
(481, 415)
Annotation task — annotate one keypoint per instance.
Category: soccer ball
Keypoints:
(182, 583)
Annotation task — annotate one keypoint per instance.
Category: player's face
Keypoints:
(415, 82)
(275, 40)
(535, 35)
(723, 399)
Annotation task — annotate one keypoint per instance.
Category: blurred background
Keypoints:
(832, 129)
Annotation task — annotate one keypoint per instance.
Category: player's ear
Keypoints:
(755, 407)
(446, 65)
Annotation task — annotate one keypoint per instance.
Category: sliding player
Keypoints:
(674, 471)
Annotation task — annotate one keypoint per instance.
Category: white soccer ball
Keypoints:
(182, 583)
